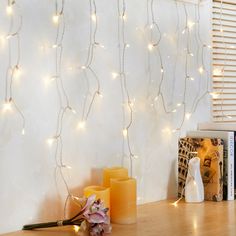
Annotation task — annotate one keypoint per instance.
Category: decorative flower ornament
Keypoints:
(92, 218)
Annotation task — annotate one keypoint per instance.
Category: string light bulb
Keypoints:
(188, 115)
(94, 17)
(8, 36)
(7, 106)
(127, 45)
(9, 10)
(76, 228)
(201, 69)
(56, 18)
(50, 141)
(17, 71)
(150, 46)
(125, 132)
(124, 17)
(191, 24)
(81, 125)
(23, 131)
(214, 95)
(114, 75)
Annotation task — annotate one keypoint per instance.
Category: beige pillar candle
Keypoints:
(102, 193)
(123, 201)
(112, 173)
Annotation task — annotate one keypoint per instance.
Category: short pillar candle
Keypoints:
(102, 193)
(112, 173)
(123, 201)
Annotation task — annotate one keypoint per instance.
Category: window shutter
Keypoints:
(224, 60)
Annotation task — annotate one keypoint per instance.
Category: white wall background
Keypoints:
(27, 185)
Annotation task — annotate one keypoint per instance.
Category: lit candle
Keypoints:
(123, 201)
(113, 173)
(102, 193)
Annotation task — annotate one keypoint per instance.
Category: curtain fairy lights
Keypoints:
(58, 20)
(126, 100)
(182, 109)
(87, 67)
(13, 70)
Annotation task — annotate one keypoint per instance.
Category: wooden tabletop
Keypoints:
(164, 219)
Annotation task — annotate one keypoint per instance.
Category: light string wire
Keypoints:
(59, 21)
(122, 47)
(88, 69)
(13, 70)
(203, 68)
(177, 33)
(156, 45)
(88, 65)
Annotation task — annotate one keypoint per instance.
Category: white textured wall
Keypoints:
(27, 185)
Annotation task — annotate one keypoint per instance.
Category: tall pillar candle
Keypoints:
(102, 193)
(123, 201)
(113, 173)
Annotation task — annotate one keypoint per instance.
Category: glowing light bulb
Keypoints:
(183, 32)
(174, 110)
(7, 106)
(151, 26)
(114, 75)
(124, 17)
(17, 71)
(135, 157)
(217, 71)
(175, 204)
(56, 18)
(201, 70)
(179, 104)
(127, 45)
(150, 46)
(76, 228)
(191, 24)
(188, 115)
(125, 133)
(83, 67)
(156, 98)
(162, 70)
(190, 78)
(191, 54)
(94, 17)
(131, 104)
(230, 117)
(55, 46)
(8, 36)
(214, 94)
(194, 183)
(174, 131)
(9, 10)
(81, 125)
(50, 141)
(99, 94)
(66, 166)
(23, 131)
